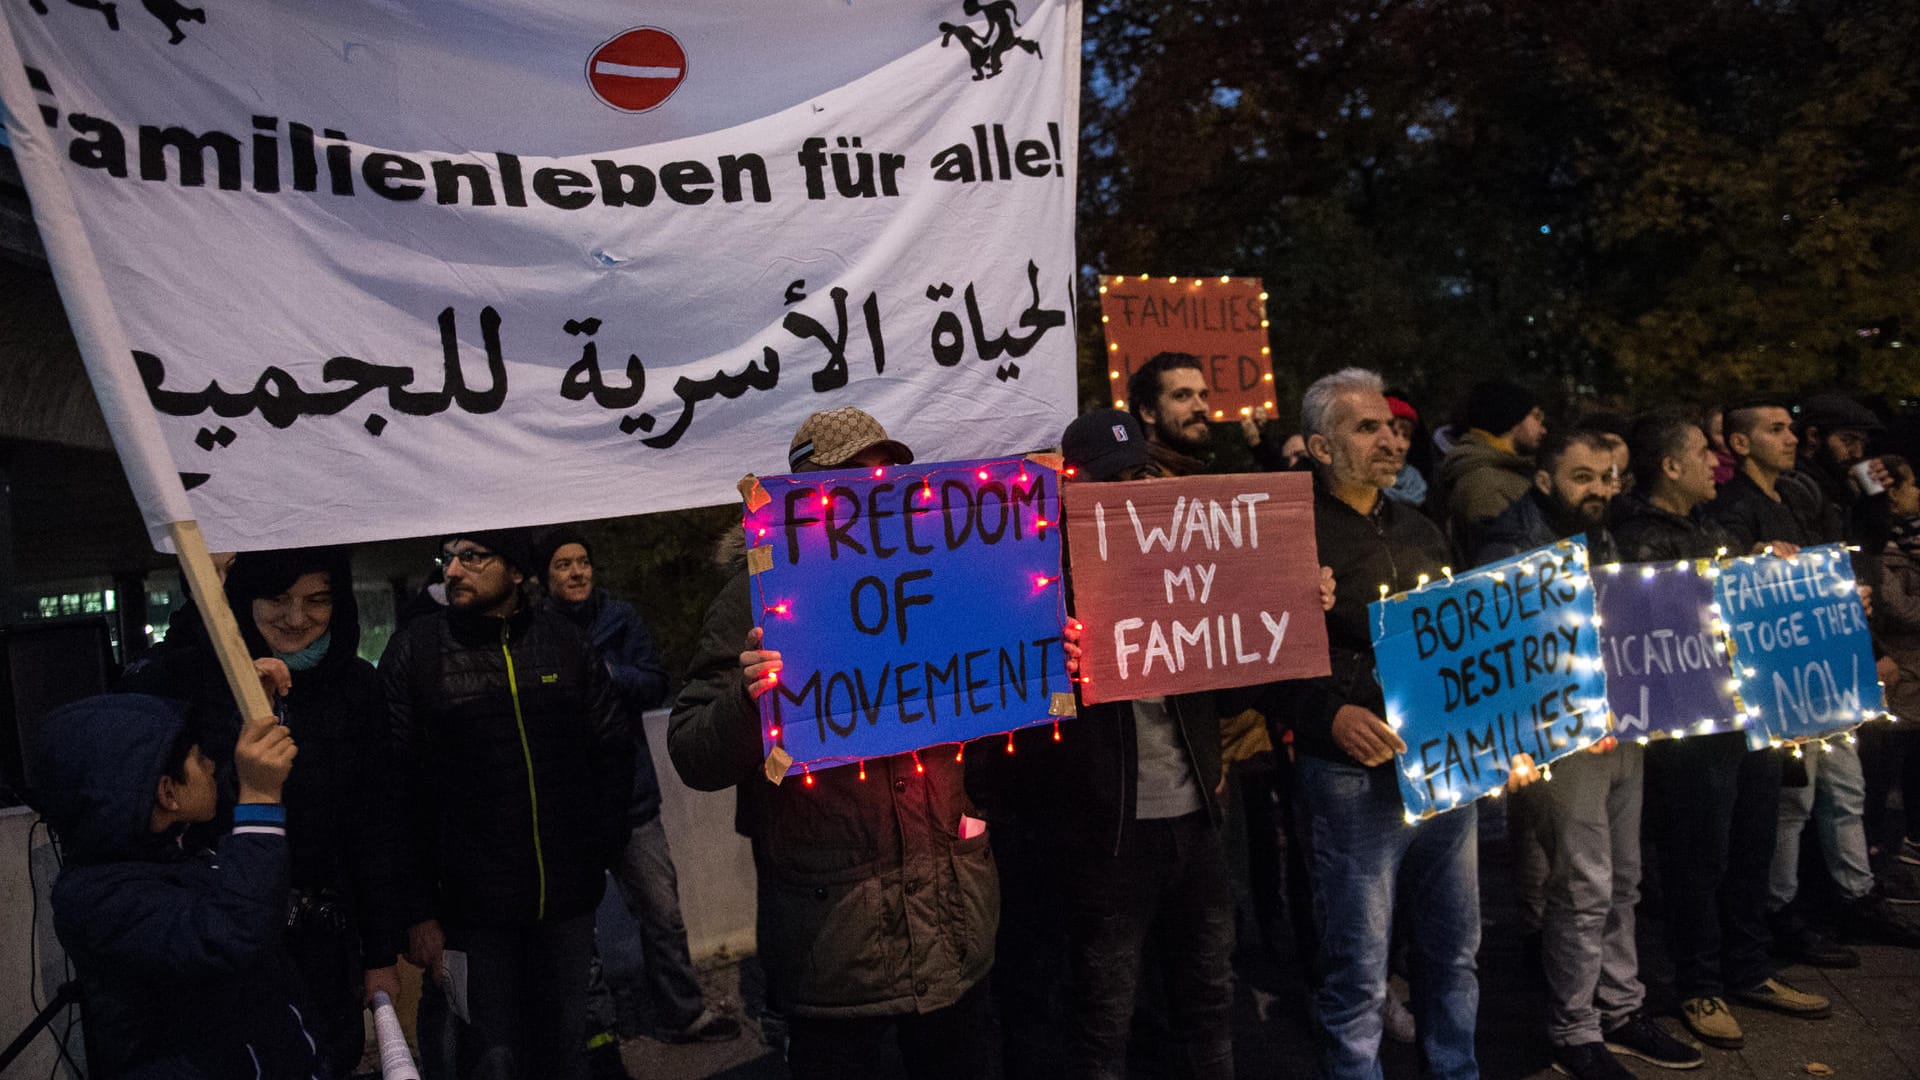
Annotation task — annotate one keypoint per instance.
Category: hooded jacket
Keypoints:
(514, 762)
(179, 950)
(871, 904)
(1475, 481)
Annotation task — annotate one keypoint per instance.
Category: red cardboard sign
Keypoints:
(1221, 320)
(1195, 583)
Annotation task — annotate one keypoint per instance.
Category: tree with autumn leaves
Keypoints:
(1622, 200)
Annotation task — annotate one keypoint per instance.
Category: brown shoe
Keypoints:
(1712, 1023)
(1778, 997)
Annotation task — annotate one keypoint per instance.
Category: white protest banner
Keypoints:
(355, 271)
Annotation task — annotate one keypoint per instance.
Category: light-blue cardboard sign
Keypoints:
(1485, 665)
(912, 606)
(1801, 651)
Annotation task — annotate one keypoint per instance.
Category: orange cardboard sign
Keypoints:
(1221, 320)
(1194, 583)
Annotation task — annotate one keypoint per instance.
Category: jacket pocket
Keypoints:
(972, 906)
(834, 941)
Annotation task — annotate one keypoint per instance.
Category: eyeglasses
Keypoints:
(471, 558)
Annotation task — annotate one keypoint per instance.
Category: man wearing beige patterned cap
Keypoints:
(877, 917)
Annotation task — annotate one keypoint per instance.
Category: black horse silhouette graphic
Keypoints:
(173, 14)
(985, 50)
(170, 13)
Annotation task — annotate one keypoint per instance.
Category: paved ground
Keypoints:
(1874, 1033)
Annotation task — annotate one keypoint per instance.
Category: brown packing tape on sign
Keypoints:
(777, 763)
(759, 559)
(1062, 705)
(752, 494)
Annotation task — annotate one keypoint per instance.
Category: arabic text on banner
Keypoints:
(512, 263)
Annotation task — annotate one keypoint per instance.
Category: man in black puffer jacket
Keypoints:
(515, 764)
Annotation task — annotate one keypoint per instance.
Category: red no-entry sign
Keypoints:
(637, 69)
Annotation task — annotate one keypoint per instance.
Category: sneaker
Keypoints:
(1588, 1061)
(1776, 996)
(709, 1027)
(1712, 1022)
(1796, 940)
(1874, 918)
(603, 1058)
(1910, 852)
(1639, 1036)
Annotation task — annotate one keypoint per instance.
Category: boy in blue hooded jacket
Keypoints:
(179, 951)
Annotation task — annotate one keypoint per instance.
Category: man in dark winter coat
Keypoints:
(1717, 801)
(1369, 862)
(1585, 826)
(878, 898)
(645, 876)
(180, 950)
(1125, 804)
(515, 767)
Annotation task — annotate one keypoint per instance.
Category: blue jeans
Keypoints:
(650, 888)
(1364, 855)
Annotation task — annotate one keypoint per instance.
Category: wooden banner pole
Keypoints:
(210, 595)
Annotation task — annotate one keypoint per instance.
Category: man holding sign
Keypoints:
(878, 897)
(1366, 857)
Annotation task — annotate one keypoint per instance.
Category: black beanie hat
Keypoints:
(1496, 407)
(513, 545)
(551, 541)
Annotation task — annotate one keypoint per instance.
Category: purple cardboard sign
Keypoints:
(1667, 672)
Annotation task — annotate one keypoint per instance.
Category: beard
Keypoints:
(1174, 437)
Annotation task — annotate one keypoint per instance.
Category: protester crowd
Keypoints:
(1053, 909)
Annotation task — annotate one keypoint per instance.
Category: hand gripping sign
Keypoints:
(1195, 583)
(912, 606)
(1667, 673)
(1802, 657)
(1482, 666)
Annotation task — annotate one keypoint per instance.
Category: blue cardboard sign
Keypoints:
(1667, 673)
(1801, 652)
(912, 606)
(1482, 666)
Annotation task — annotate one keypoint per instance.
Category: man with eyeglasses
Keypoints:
(515, 763)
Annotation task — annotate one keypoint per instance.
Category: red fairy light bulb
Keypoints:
(809, 775)
(1056, 731)
(863, 770)
(983, 475)
(823, 499)
(878, 473)
(773, 732)
(959, 752)
(917, 766)
(1023, 474)
(926, 491)
(1071, 471)
(1009, 742)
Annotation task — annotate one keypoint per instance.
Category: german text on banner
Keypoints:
(1223, 321)
(1801, 651)
(384, 271)
(1195, 583)
(1667, 672)
(912, 606)
(1500, 661)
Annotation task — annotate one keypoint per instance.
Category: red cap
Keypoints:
(1402, 410)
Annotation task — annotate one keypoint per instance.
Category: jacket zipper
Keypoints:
(533, 793)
